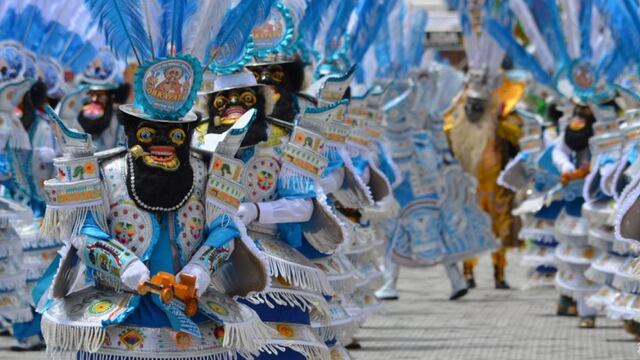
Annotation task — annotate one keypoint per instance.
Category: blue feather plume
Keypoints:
(338, 26)
(383, 52)
(612, 65)
(370, 15)
(78, 54)
(585, 29)
(632, 9)
(32, 26)
(310, 24)
(236, 28)
(122, 24)
(7, 24)
(547, 17)
(416, 43)
(519, 55)
(174, 15)
(623, 28)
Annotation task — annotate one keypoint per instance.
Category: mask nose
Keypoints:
(234, 100)
(265, 77)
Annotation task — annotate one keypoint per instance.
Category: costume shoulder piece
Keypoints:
(76, 191)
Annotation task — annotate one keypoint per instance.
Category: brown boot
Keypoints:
(498, 275)
(587, 322)
(468, 273)
(567, 307)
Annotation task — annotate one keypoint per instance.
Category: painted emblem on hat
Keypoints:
(166, 88)
(11, 64)
(275, 33)
(102, 69)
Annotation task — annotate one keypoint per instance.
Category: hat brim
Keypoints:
(133, 111)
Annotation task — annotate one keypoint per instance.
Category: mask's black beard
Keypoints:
(35, 98)
(285, 108)
(159, 188)
(578, 140)
(155, 186)
(99, 125)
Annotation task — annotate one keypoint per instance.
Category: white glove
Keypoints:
(203, 278)
(248, 212)
(567, 168)
(135, 273)
(44, 154)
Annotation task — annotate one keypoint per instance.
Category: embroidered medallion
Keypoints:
(131, 227)
(100, 307)
(260, 178)
(191, 218)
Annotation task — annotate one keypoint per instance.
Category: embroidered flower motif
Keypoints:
(131, 338)
(183, 340)
(89, 168)
(100, 307)
(217, 164)
(124, 232)
(216, 308)
(265, 180)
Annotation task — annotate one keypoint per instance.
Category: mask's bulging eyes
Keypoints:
(220, 102)
(277, 76)
(248, 98)
(145, 134)
(177, 136)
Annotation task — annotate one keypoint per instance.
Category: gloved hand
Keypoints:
(248, 212)
(203, 278)
(135, 273)
(567, 167)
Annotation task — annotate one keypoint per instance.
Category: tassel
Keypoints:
(339, 330)
(65, 341)
(228, 355)
(249, 335)
(301, 276)
(67, 222)
(306, 302)
(296, 179)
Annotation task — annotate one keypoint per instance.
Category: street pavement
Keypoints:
(486, 324)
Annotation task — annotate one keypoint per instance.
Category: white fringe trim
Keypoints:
(284, 297)
(66, 222)
(295, 179)
(65, 341)
(340, 331)
(248, 336)
(302, 276)
(309, 350)
(138, 356)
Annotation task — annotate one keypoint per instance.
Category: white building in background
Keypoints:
(443, 32)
